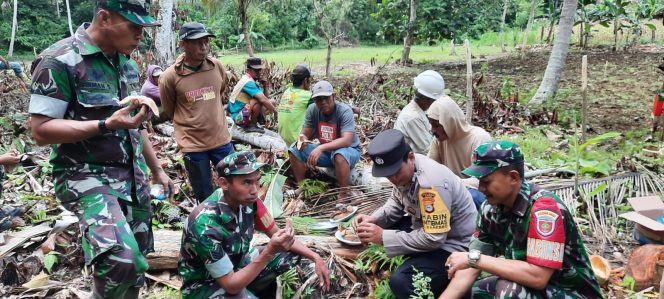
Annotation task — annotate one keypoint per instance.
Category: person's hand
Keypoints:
(122, 118)
(457, 261)
(10, 158)
(323, 273)
(362, 218)
(313, 157)
(160, 177)
(370, 233)
(283, 239)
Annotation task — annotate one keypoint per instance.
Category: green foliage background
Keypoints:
(277, 24)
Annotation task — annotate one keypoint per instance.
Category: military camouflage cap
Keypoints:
(136, 11)
(238, 163)
(492, 155)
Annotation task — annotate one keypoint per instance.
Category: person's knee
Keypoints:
(340, 161)
(507, 289)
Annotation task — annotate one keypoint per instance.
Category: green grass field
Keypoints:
(363, 54)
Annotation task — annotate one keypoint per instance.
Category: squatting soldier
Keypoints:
(216, 260)
(532, 228)
(100, 158)
(440, 215)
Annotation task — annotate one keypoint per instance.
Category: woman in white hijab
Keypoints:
(454, 140)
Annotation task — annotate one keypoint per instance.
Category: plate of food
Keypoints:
(347, 236)
(344, 213)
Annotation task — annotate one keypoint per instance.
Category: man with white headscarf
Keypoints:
(455, 139)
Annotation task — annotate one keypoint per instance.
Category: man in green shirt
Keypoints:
(544, 255)
(294, 103)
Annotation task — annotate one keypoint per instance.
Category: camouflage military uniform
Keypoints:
(539, 229)
(217, 240)
(104, 179)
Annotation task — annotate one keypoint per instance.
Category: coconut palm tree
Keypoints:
(556, 65)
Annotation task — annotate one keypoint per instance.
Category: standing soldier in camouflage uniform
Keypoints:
(531, 228)
(100, 159)
(429, 215)
(216, 260)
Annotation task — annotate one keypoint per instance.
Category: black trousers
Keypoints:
(431, 263)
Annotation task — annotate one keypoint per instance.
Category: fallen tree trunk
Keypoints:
(269, 141)
(167, 247)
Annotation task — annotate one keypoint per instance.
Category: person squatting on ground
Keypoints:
(247, 99)
(191, 92)
(333, 124)
(429, 214)
(544, 255)
(101, 156)
(216, 260)
(454, 142)
(294, 103)
(412, 120)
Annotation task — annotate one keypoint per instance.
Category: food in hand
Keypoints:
(141, 100)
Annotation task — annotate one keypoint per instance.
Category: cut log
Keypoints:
(167, 247)
(166, 250)
(270, 141)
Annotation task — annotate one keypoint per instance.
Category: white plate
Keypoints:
(347, 217)
(341, 239)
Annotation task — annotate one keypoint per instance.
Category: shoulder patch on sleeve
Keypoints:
(546, 234)
(264, 221)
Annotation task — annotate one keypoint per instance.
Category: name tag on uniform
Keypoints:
(435, 215)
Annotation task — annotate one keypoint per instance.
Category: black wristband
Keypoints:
(103, 130)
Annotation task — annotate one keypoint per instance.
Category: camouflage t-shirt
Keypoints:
(540, 230)
(216, 241)
(73, 79)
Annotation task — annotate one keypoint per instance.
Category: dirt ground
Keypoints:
(620, 92)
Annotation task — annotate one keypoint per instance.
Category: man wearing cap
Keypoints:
(216, 260)
(100, 155)
(294, 103)
(412, 120)
(190, 93)
(428, 216)
(247, 100)
(333, 124)
(544, 255)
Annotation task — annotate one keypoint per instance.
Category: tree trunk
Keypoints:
(615, 34)
(164, 42)
(242, 7)
(531, 16)
(549, 35)
(328, 58)
(556, 64)
(581, 31)
(652, 36)
(469, 83)
(57, 8)
(14, 26)
(408, 40)
(506, 4)
(71, 29)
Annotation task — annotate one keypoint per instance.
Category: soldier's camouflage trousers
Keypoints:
(494, 287)
(277, 266)
(116, 235)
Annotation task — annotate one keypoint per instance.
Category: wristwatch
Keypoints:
(103, 130)
(473, 257)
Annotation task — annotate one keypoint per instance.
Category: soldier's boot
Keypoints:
(200, 178)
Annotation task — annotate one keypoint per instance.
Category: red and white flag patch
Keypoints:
(546, 234)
